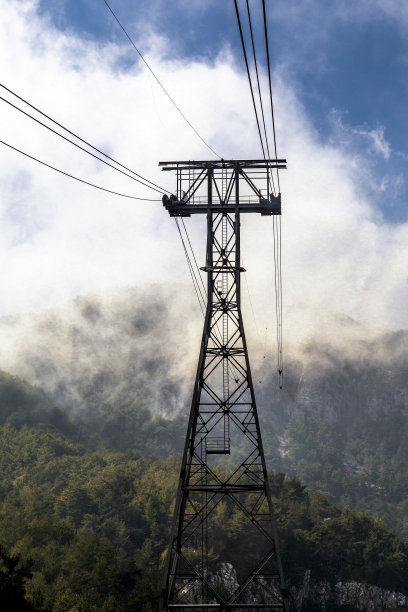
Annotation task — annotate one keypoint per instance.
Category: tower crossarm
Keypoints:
(191, 196)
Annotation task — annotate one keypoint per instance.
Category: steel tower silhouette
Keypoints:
(223, 477)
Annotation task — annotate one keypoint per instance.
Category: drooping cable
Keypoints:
(159, 82)
(217, 330)
(75, 178)
(250, 300)
(201, 293)
(270, 87)
(249, 75)
(195, 259)
(280, 301)
(276, 284)
(197, 274)
(81, 139)
(191, 270)
(158, 189)
(277, 257)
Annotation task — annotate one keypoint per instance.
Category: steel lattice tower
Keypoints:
(223, 472)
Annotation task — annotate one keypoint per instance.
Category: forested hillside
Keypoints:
(344, 428)
(95, 520)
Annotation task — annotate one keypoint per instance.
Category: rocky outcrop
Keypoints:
(350, 596)
(368, 598)
(318, 596)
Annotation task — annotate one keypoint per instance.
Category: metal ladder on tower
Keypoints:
(221, 444)
(225, 365)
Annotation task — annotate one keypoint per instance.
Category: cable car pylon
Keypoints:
(223, 464)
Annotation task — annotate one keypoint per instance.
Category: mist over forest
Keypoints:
(114, 365)
(100, 350)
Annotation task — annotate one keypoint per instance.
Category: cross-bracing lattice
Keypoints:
(224, 551)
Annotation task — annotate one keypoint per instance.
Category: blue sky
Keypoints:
(347, 61)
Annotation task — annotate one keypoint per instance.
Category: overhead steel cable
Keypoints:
(81, 139)
(259, 90)
(270, 86)
(158, 189)
(158, 81)
(249, 76)
(75, 178)
(277, 223)
(257, 76)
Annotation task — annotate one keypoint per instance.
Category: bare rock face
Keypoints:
(368, 598)
(318, 596)
(225, 582)
(225, 579)
(354, 596)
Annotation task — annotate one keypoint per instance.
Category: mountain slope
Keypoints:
(95, 521)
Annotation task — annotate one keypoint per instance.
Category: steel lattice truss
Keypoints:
(223, 470)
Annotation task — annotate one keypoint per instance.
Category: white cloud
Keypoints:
(378, 143)
(344, 135)
(61, 239)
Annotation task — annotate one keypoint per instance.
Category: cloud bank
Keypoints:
(344, 266)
